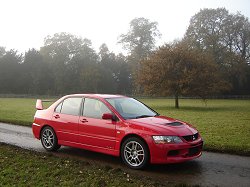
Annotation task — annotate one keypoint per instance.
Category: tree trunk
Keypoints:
(176, 101)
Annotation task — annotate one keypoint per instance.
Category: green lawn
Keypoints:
(18, 111)
(224, 124)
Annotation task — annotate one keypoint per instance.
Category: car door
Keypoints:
(66, 119)
(93, 130)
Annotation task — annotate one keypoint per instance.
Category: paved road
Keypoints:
(211, 169)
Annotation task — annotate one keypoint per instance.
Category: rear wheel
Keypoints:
(49, 139)
(135, 153)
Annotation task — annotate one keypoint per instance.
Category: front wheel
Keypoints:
(135, 153)
(49, 139)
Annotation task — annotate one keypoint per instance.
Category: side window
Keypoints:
(58, 108)
(94, 108)
(71, 106)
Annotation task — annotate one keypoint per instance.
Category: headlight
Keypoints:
(167, 139)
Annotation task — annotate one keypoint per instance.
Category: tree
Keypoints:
(140, 39)
(67, 55)
(10, 63)
(226, 37)
(207, 32)
(58, 51)
(241, 36)
(37, 76)
(122, 73)
(115, 66)
(2, 51)
(177, 70)
(139, 42)
(104, 53)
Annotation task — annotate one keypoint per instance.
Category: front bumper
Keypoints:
(175, 153)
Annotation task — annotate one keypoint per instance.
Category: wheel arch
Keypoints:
(130, 136)
(46, 125)
(55, 146)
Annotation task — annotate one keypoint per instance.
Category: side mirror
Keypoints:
(39, 104)
(108, 116)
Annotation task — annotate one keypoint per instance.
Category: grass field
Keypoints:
(223, 124)
(19, 167)
(18, 111)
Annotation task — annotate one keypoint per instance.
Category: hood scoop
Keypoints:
(174, 123)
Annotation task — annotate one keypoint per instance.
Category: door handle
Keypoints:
(84, 120)
(57, 116)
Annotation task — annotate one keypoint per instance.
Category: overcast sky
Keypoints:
(25, 23)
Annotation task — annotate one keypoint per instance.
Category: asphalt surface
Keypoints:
(211, 169)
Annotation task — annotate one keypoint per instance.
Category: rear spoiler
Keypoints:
(39, 103)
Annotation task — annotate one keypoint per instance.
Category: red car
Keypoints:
(116, 125)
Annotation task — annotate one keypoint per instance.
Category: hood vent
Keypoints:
(174, 124)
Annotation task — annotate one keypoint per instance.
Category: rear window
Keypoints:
(58, 108)
(70, 106)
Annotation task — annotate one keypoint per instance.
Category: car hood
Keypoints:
(163, 126)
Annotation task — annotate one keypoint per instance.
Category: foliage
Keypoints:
(139, 42)
(10, 65)
(68, 64)
(67, 55)
(140, 39)
(65, 64)
(117, 70)
(226, 37)
(2, 51)
(175, 69)
(38, 77)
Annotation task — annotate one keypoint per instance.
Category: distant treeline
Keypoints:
(216, 43)
(69, 65)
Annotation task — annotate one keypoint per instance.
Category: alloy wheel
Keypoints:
(134, 153)
(48, 138)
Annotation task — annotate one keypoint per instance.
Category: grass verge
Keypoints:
(19, 167)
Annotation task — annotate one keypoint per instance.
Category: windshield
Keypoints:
(130, 108)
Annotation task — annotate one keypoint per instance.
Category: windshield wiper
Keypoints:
(143, 116)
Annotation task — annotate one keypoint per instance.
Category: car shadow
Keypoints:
(189, 167)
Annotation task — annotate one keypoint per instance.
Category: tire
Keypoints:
(135, 153)
(49, 139)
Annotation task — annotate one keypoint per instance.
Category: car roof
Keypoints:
(105, 96)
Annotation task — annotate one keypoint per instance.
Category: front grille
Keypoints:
(191, 138)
